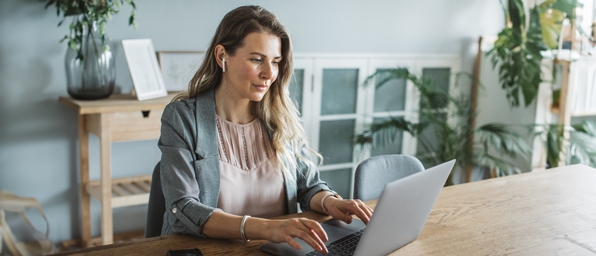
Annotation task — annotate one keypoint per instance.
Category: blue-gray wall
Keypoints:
(38, 136)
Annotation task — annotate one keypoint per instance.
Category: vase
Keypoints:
(92, 75)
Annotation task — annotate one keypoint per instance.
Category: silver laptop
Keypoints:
(400, 214)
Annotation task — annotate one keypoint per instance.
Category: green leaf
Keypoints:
(551, 22)
(50, 2)
(64, 38)
(567, 6)
(87, 13)
(517, 13)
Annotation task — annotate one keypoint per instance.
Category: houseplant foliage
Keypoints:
(517, 49)
(552, 13)
(517, 52)
(580, 145)
(85, 14)
(443, 130)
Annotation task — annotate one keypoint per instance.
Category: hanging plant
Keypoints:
(86, 13)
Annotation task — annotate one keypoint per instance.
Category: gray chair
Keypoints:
(156, 207)
(374, 173)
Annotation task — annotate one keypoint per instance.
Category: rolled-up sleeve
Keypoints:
(185, 213)
(308, 180)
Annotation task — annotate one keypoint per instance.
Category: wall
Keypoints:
(38, 136)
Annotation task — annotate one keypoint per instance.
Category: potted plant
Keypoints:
(89, 62)
(517, 50)
(516, 53)
(443, 131)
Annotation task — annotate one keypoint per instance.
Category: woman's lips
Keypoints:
(261, 87)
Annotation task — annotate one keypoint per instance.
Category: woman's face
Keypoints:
(253, 68)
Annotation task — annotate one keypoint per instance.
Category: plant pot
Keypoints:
(91, 73)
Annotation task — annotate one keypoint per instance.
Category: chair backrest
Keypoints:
(156, 207)
(374, 173)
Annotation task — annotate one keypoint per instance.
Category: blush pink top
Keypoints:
(251, 182)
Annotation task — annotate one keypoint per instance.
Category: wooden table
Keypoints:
(551, 212)
(117, 118)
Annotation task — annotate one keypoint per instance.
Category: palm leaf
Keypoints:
(503, 139)
(443, 132)
(580, 147)
(502, 167)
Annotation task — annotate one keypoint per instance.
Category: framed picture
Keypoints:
(178, 67)
(144, 70)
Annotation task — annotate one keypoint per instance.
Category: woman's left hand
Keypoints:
(343, 209)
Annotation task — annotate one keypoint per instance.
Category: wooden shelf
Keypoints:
(125, 191)
(555, 110)
(573, 97)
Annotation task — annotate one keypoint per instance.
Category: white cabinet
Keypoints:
(335, 105)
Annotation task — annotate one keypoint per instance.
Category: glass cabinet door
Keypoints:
(440, 77)
(297, 88)
(389, 104)
(301, 91)
(394, 99)
(338, 109)
(339, 106)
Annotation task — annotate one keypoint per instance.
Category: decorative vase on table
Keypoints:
(90, 73)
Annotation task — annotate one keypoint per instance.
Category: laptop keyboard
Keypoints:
(344, 246)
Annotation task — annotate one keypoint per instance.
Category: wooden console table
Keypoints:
(117, 118)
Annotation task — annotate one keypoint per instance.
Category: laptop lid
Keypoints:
(400, 215)
(402, 210)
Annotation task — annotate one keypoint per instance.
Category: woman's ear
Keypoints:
(220, 55)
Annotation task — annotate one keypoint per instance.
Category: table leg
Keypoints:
(106, 180)
(84, 176)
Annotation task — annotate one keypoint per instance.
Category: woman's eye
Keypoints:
(276, 63)
(257, 60)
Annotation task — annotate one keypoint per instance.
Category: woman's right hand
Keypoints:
(284, 231)
(225, 225)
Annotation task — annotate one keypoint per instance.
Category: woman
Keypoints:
(232, 146)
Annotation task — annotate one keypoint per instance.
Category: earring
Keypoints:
(223, 64)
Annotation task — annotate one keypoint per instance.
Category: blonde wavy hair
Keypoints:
(276, 109)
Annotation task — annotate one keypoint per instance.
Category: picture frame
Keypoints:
(178, 68)
(144, 69)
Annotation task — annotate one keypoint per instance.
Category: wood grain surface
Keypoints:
(550, 212)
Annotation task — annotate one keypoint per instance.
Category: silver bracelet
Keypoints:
(242, 234)
(323, 200)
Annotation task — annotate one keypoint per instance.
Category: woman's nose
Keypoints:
(268, 71)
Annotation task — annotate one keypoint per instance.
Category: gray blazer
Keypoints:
(190, 167)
